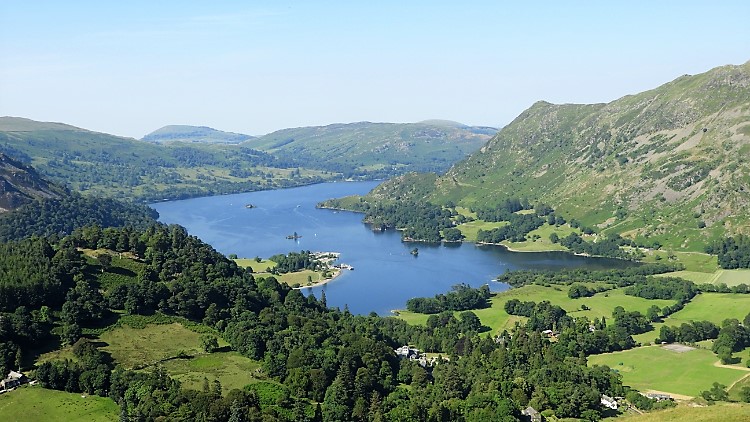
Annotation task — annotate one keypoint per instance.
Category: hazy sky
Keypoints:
(130, 67)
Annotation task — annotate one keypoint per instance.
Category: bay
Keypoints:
(385, 273)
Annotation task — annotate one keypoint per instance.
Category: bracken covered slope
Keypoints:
(20, 184)
(669, 164)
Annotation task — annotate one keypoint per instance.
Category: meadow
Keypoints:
(297, 278)
(600, 305)
(141, 347)
(538, 239)
(719, 412)
(657, 368)
(34, 403)
(714, 307)
(231, 369)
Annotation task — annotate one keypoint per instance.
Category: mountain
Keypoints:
(20, 185)
(377, 148)
(667, 165)
(203, 134)
(108, 165)
(129, 168)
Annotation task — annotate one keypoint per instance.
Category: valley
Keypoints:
(582, 252)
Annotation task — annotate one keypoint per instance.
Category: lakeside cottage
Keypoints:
(13, 380)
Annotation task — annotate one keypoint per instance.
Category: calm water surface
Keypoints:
(386, 275)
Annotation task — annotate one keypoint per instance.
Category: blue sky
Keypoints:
(128, 68)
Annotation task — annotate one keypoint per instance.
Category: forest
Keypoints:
(334, 366)
(60, 216)
(733, 251)
(462, 297)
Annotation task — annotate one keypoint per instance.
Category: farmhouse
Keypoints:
(532, 414)
(13, 380)
(550, 333)
(406, 352)
(609, 402)
(659, 396)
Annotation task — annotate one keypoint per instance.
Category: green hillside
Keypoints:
(665, 165)
(186, 161)
(20, 185)
(104, 164)
(381, 149)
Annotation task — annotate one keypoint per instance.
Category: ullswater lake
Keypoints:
(385, 273)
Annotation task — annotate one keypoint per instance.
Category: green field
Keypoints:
(139, 347)
(714, 307)
(719, 412)
(732, 277)
(694, 276)
(601, 304)
(257, 267)
(292, 279)
(693, 261)
(728, 277)
(470, 229)
(33, 403)
(230, 368)
(657, 368)
(542, 243)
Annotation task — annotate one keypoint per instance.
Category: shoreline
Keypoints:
(335, 275)
(510, 249)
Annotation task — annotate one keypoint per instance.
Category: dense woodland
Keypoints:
(58, 287)
(334, 366)
(733, 252)
(59, 217)
(462, 297)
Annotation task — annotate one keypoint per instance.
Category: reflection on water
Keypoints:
(386, 274)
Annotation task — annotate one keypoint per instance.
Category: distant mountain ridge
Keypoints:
(194, 161)
(429, 146)
(668, 165)
(21, 124)
(186, 133)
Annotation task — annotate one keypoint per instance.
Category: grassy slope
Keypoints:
(128, 168)
(230, 368)
(714, 307)
(33, 403)
(133, 347)
(720, 412)
(601, 305)
(365, 145)
(292, 279)
(646, 154)
(656, 368)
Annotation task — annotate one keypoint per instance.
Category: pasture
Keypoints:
(34, 403)
(470, 229)
(600, 305)
(714, 307)
(140, 347)
(661, 369)
(719, 412)
(230, 368)
(538, 239)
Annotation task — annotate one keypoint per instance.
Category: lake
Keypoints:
(385, 273)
